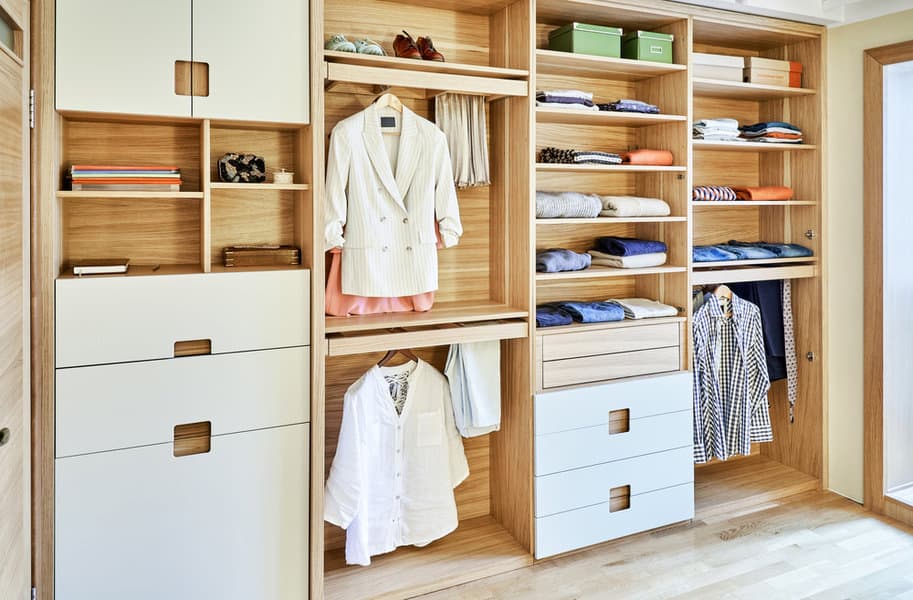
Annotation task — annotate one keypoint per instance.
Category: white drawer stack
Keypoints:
(612, 460)
(133, 520)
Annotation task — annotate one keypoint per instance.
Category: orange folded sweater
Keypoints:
(648, 157)
(766, 192)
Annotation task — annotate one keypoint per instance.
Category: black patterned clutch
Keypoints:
(242, 168)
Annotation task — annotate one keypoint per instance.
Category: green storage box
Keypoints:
(582, 38)
(648, 45)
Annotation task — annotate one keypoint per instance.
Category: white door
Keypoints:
(119, 57)
(258, 59)
(15, 534)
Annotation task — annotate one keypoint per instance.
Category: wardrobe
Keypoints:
(596, 426)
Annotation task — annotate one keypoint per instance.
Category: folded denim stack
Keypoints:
(720, 130)
(567, 205)
(548, 315)
(625, 105)
(643, 308)
(592, 157)
(713, 193)
(633, 206)
(557, 260)
(736, 250)
(645, 156)
(566, 100)
(628, 253)
(592, 312)
(772, 131)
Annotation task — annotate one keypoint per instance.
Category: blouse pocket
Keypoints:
(429, 429)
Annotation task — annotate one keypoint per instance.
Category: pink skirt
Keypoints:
(343, 305)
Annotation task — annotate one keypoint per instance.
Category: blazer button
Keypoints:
(382, 219)
(405, 220)
(385, 248)
(408, 247)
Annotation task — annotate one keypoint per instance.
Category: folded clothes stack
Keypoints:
(626, 105)
(736, 250)
(772, 131)
(642, 308)
(633, 206)
(713, 193)
(628, 253)
(548, 315)
(567, 205)
(566, 99)
(644, 156)
(557, 260)
(719, 130)
(592, 312)
(557, 155)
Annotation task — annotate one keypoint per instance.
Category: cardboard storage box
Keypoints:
(717, 66)
(648, 45)
(582, 38)
(795, 74)
(767, 71)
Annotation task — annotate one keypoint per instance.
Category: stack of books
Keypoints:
(261, 256)
(109, 178)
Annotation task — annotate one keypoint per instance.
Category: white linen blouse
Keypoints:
(392, 479)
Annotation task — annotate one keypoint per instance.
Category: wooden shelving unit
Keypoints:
(596, 272)
(607, 326)
(254, 187)
(589, 168)
(755, 262)
(738, 275)
(750, 146)
(423, 66)
(138, 195)
(550, 62)
(603, 118)
(443, 313)
(751, 203)
(737, 90)
(602, 221)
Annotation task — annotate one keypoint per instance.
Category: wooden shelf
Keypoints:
(291, 187)
(613, 325)
(604, 118)
(140, 271)
(749, 146)
(754, 262)
(608, 221)
(596, 272)
(69, 195)
(752, 203)
(342, 344)
(737, 90)
(736, 275)
(587, 168)
(551, 62)
(425, 66)
(479, 548)
(737, 486)
(219, 268)
(434, 77)
(442, 314)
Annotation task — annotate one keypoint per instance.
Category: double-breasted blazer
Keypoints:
(385, 222)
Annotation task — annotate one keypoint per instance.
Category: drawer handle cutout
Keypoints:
(192, 348)
(619, 421)
(620, 498)
(192, 438)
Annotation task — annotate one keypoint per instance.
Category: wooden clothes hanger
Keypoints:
(389, 355)
(390, 101)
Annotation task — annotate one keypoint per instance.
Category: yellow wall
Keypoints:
(844, 239)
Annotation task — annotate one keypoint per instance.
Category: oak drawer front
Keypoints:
(107, 407)
(556, 452)
(230, 524)
(624, 339)
(584, 527)
(561, 410)
(121, 319)
(577, 488)
(590, 369)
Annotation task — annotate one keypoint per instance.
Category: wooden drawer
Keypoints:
(230, 524)
(121, 319)
(566, 450)
(562, 410)
(107, 407)
(583, 527)
(561, 492)
(623, 339)
(590, 369)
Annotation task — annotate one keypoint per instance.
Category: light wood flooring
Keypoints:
(788, 543)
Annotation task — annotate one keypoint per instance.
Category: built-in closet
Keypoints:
(596, 423)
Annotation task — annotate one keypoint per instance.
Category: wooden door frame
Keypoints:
(875, 59)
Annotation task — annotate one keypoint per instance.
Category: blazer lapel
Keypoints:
(377, 153)
(410, 152)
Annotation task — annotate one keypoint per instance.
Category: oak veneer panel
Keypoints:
(749, 91)
(251, 217)
(589, 342)
(589, 369)
(551, 14)
(441, 314)
(603, 118)
(408, 64)
(587, 289)
(278, 148)
(704, 145)
(551, 62)
(751, 33)
(735, 275)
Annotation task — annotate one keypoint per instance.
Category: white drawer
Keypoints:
(120, 319)
(136, 404)
(623, 339)
(595, 445)
(577, 488)
(592, 369)
(583, 527)
(231, 524)
(586, 406)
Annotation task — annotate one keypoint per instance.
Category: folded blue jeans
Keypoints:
(593, 312)
(622, 246)
(556, 260)
(551, 316)
(712, 254)
(748, 252)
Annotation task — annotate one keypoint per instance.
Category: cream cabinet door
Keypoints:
(257, 54)
(119, 57)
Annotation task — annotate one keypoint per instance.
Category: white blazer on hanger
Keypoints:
(389, 246)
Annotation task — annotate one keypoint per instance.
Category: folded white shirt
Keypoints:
(643, 308)
(567, 93)
(633, 206)
(639, 261)
(567, 106)
(720, 123)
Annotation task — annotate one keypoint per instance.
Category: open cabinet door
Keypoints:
(15, 529)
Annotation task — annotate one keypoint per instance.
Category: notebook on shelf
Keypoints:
(101, 266)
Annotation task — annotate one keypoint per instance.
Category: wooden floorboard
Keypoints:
(808, 545)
